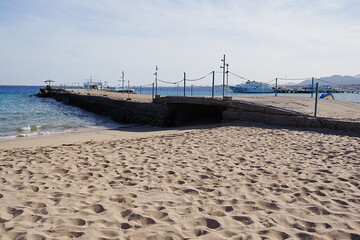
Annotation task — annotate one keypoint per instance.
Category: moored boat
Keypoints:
(132, 91)
(252, 87)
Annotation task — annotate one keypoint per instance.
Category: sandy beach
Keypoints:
(245, 181)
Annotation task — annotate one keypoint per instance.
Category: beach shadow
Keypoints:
(304, 129)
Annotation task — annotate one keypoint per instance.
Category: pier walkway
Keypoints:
(176, 111)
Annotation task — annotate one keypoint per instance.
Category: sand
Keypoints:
(246, 181)
(339, 110)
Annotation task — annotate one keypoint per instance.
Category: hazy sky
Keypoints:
(69, 40)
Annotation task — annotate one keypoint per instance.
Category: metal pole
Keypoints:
(227, 78)
(316, 98)
(152, 93)
(184, 84)
(156, 85)
(213, 84)
(128, 89)
(312, 87)
(123, 80)
(276, 86)
(223, 67)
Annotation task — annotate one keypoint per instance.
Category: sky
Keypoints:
(70, 40)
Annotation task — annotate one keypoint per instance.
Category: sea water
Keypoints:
(24, 116)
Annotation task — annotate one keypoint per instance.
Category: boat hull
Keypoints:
(251, 90)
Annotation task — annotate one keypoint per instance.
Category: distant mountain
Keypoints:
(337, 79)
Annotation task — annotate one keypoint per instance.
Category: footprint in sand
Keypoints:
(79, 222)
(125, 226)
(98, 208)
(244, 219)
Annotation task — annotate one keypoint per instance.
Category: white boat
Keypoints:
(93, 85)
(252, 87)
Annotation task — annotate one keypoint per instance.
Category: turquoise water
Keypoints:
(25, 116)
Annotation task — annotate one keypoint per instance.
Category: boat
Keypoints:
(252, 87)
(93, 85)
(132, 91)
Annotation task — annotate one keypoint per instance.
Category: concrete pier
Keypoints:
(179, 111)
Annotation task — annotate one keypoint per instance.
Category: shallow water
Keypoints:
(25, 116)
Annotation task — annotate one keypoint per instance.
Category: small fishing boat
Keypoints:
(252, 87)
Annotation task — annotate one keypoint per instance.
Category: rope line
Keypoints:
(197, 79)
(169, 82)
(271, 80)
(147, 85)
(239, 76)
(294, 79)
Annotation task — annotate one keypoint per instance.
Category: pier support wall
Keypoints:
(119, 110)
(179, 111)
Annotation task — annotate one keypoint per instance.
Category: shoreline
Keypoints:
(142, 131)
(120, 133)
(339, 110)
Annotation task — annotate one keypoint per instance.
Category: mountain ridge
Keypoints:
(337, 80)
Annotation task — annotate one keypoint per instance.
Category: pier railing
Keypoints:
(184, 86)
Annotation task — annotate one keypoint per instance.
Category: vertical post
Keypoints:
(312, 87)
(192, 90)
(213, 84)
(227, 78)
(128, 89)
(316, 98)
(276, 86)
(91, 82)
(156, 85)
(184, 84)
(123, 81)
(152, 94)
(223, 68)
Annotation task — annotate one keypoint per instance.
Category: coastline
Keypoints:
(338, 110)
(87, 136)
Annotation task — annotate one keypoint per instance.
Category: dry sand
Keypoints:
(340, 110)
(228, 182)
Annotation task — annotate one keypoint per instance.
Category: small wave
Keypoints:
(29, 128)
(66, 126)
(23, 129)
